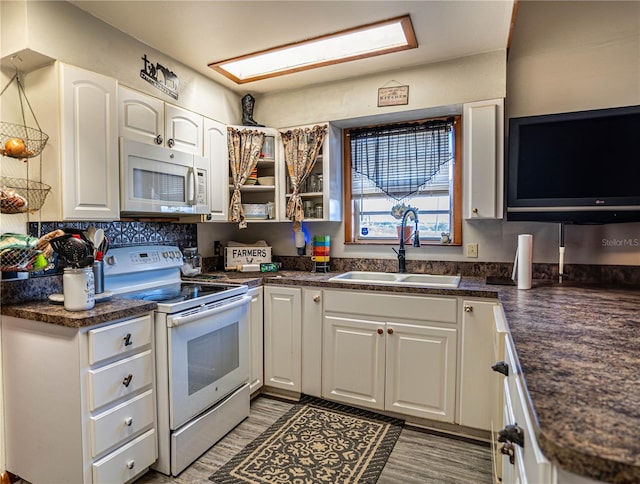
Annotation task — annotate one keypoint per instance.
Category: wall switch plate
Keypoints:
(472, 250)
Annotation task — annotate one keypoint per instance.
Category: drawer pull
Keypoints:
(501, 367)
(468, 308)
(507, 449)
(131, 464)
(128, 421)
(512, 433)
(127, 380)
(127, 340)
(380, 331)
(390, 330)
(316, 298)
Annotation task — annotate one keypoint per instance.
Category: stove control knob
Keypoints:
(110, 260)
(165, 254)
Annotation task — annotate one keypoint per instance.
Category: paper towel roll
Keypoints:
(525, 254)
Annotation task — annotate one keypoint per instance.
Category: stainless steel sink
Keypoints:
(397, 279)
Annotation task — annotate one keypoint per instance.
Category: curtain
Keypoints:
(400, 158)
(244, 151)
(301, 148)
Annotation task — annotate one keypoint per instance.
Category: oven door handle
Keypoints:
(174, 321)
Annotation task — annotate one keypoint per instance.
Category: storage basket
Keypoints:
(19, 140)
(18, 195)
(28, 259)
(30, 141)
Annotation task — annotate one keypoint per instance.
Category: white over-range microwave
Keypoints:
(161, 181)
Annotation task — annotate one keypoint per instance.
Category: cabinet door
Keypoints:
(312, 342)
(477, 381)
(353, 360)
(141, 117)
(183, 130)
(483, 147)
(283, 337)
(421, 371)
(216, 151)
(256, 335)
(89, 141)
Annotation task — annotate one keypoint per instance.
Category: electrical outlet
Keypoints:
(472, 250)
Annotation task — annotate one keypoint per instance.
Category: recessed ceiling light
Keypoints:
(370, 40)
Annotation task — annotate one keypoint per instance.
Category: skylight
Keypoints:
(370, 40)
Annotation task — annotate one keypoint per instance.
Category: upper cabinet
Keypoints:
(321, 192)
(483, 155)
(217, 152)
(150, 120)
(77, 109)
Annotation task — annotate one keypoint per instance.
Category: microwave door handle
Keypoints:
(174, 321)
(191, 175)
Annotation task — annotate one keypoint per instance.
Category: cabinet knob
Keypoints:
(130, 464)
(127, 380)
(512, 433)
(501, 367)
(159, 139)
(468, 308)
(475, 210)
(316, 298)
(170, 143)
(127, 340)
(390, 330)
(128, 421)
(380, 331)
(507, 449)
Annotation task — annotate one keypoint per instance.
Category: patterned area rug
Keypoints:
(316, 442)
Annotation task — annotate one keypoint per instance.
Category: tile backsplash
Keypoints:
(122, 234)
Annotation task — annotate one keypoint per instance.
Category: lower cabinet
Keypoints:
(88, 412)
(256, 336)
(378, 354)
(283, 337)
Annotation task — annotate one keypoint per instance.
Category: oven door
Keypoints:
(159, 180)
(208, 349)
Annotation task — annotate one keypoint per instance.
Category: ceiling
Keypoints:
(197, 33)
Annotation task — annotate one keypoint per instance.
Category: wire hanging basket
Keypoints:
(18, 195)
(19, 140)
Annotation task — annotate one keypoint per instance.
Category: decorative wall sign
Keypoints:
(393, 96)
(167, 82)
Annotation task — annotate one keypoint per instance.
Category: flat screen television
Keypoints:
(577, 167)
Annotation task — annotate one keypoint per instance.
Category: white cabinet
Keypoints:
(477, 381)
(322, 190)
(77, 109)
(282, 337)
(150, 120)
(379, 354)
(256, 338)
(312, 341)
(257, 194)
(217, 152)
(80, 405)
(483, 152)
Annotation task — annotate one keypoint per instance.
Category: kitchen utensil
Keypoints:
(98, 238)
(75, 252)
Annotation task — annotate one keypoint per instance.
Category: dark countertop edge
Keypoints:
(111, 310)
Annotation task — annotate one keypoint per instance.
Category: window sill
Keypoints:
(407, 244)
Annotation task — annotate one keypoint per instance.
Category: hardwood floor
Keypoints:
(418, 457)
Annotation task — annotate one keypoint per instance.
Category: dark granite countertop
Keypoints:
(103, 312)
(578, 347)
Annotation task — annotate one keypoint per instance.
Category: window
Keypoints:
(416, 164)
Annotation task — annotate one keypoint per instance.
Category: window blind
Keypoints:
(400, 158)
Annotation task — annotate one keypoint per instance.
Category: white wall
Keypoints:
(564, 56)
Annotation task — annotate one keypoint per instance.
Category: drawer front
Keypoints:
(128, 461)
(121, 379)
(117, 339)
(120, 423)
(392, 306)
